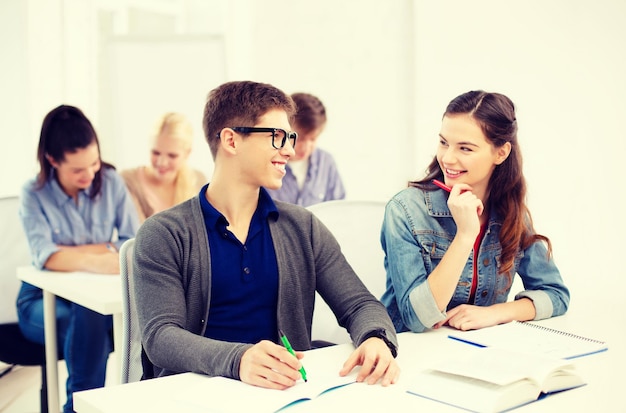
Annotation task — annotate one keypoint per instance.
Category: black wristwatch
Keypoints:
(380, 333)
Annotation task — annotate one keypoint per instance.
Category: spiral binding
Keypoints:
(562, 333)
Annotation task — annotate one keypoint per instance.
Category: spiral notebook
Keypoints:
(533, 338)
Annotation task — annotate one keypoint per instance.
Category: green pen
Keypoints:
(287, 345)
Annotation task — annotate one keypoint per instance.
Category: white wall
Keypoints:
(386, 71)
(14, 113)
(362, 72)
(47, 53)
(148, 77)
(356, 56)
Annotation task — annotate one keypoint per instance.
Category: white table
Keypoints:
(603, 372)
(99, 292)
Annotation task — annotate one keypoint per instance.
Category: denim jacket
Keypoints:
(417, 231)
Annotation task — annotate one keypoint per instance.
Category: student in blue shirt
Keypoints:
(451, 256)
(70, 213)
(218, 276)
(311, 174)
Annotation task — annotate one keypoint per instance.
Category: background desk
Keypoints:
(602, 371)
(98, 292)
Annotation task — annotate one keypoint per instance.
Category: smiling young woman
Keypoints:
(451, 255)
(70, 213)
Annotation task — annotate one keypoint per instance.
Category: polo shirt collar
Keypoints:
(265, 208)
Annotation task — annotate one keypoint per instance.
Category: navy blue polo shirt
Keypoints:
(244, 277)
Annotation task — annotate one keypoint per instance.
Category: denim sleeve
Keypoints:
(36, 227)
(406, 270)
(542, 282)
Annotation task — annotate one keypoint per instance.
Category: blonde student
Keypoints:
(451, 256)
(168, 179)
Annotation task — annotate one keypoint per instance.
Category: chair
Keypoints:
(15, 253)
(15, 349)
(132, 369)
(356, 226)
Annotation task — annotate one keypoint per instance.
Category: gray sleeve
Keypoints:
(360, 312)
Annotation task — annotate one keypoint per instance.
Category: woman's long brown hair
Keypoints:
(495, 113)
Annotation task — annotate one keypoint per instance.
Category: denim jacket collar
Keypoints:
(437, 205)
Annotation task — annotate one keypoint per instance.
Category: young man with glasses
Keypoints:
(217, 277)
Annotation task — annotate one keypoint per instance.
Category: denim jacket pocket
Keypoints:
(505, 281)
(433, 250)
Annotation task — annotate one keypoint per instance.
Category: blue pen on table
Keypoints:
(287, 345)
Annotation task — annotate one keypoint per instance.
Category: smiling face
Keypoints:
(465, 155)
(261, 163)
(167, 156)
(76, 172)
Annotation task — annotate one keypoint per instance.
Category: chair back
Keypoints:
(356, 225)
(131, 336)
(15, 253)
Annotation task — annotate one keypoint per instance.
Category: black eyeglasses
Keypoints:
(279, 136)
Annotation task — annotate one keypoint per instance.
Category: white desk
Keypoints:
(603, 371)
(98, 292)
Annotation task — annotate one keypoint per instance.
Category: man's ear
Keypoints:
(229, 140)
(503, 152)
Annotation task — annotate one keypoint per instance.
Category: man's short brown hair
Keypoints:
(241, 103)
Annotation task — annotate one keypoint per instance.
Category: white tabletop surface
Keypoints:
(99, 292)
(603, 372)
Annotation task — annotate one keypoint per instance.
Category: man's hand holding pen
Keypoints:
(270, 365)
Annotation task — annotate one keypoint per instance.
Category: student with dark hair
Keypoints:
(453, 249)
(70, 213)
(217, 276)
(311, 175)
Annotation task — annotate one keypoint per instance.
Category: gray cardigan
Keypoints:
(172, 275)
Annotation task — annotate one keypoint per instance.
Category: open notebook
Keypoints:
(532, 338)
(228, 395)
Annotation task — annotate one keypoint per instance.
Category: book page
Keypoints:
(471, 394)
(502, 366)
(223, 395)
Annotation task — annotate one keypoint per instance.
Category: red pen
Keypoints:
(442, 185)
